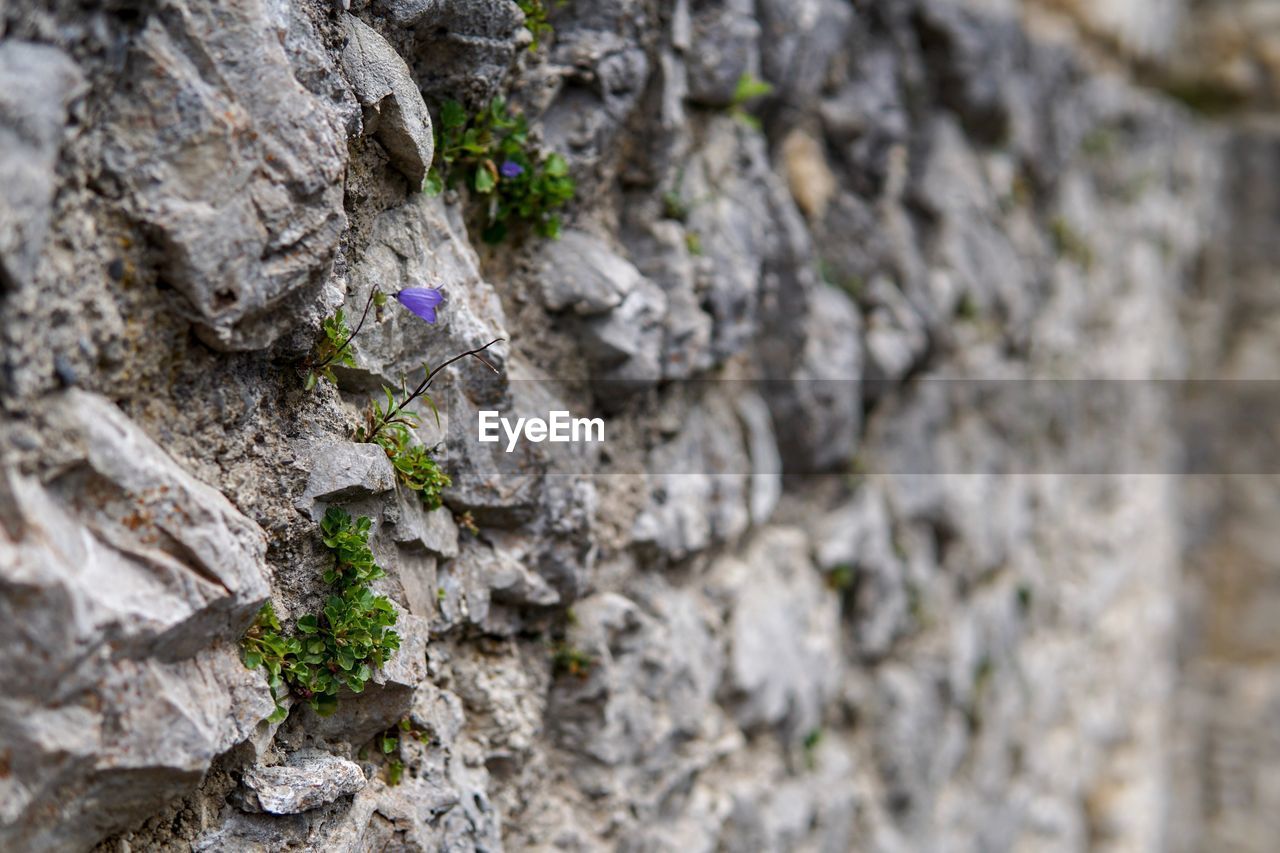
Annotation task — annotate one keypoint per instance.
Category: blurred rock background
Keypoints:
(822, 589)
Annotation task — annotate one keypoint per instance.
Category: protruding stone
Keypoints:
(38, 81)
(580, 272)
(235, 167)
(124, 586)
(394, 111)
(309, 780)
(344, 471)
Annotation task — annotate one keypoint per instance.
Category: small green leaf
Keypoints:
(452, 115)
(557, 166)
(433, 184)
(749, 87)
(485, 181)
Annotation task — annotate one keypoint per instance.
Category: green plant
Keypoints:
(336, 343)
(389, 742)
(341, 646)
(749, 88)
(842, 577)
(570, 660)
(811, 742)
(535, 20)
(389, 427)
(1099, 143)
(490, 153)
(415, 467)
(466, 521)
(264, 646)
(1069, 243)
(1209, 97)
(693, 242)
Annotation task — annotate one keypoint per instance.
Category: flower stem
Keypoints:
(426, 383)
(351, 337)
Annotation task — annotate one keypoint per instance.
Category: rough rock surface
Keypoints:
(308, 781)
(841, 575)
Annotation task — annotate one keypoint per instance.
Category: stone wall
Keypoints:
(843, 576)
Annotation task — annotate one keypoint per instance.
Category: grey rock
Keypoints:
(766, 462)
(970, 238)
(698, 485)
(501, 489)
(394, 110)
(313, 65)
(460, 49)
(865, 120)
(972, 59)
(419, 584)
(661, 253)
(798, 42)
(137, 498)
(414, 525)
(651, 685)
(895, 335)
(139, 580)
(783, 630)
(38, 82)
(858, 537)
(486, 580)
(728, 178)
(605, 74)
(233, 165)
(725, 47)
(581, 272)
(624, 347)
(819, 405)
(343, 471)
(309, 780)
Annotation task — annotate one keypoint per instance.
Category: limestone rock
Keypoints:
(582, 273)
(421, 244)
(343, 471)
(140, 580)
(394, 111)
(38, 81)
(783, 632)
(432, 530)
(698, 486)
(234, 166)
(460, 50)
(309, 780)
(624, 347)
(819, 405)
(727, 38)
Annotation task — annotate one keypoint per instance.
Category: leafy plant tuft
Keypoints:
(490, 153)
(535, 20)
(341, 646)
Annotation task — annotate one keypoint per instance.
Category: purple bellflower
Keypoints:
(510, 169)
(422, 301)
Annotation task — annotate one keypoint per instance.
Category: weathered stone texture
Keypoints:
(856, 567)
